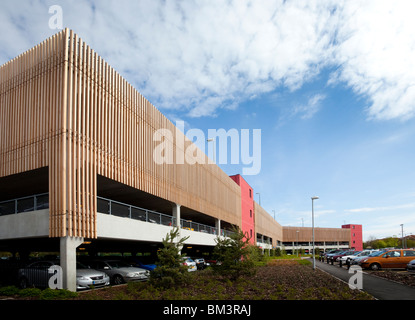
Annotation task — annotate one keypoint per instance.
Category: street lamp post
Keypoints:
(214, 147)
(259, 197)
(312, 218)
(297, 242)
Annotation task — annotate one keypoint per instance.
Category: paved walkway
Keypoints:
(381, 289)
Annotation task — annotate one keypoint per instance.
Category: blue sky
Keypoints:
(329, 83)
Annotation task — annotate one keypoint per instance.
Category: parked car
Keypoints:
(119, 271)
(411, 266)
(187, 261)
(328, 255)
(141, 264)
(200, 263)
(396, 258)
(87, 278)
(374, 253)
(335, 257)
(347, 258)
(37, 274)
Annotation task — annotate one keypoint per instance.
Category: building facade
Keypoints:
(247, 207)
(78, 169)
(297, 238)
(356, 235)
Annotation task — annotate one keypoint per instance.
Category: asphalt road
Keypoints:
(379, 288)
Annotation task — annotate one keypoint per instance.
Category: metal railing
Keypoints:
(111, 207)
(119, 209)
(25, 204)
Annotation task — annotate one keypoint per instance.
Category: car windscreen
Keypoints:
(118, 264)
(81, 266)
(375, 254)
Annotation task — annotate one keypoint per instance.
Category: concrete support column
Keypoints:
(217, 226)
(68, 247)
(176, 214)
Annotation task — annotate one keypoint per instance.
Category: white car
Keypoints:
(356, 260)
(355, 255)
(190, 264)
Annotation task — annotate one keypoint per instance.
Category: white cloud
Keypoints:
(200, 56)
(312, 107)
(386, 208)
(375, 50)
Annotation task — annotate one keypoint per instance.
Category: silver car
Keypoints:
(411, 266)
(119, 271)
(37, 274)
(191, 265)
(87, 278)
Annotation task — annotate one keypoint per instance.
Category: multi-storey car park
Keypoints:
(77, 169)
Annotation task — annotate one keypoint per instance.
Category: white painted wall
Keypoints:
(25, 225)
(36, 224)
(114, 227)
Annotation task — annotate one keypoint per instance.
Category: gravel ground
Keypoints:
(283, 280)
(400, 276)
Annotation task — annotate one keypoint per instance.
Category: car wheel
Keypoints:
(118, 279)
(374, 266)
(23, 283)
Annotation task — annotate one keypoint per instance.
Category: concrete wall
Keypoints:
(113, 227)
(25, 225)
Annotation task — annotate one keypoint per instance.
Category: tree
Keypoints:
(235, 255)
(170, 271)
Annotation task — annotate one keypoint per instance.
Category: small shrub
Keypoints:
(30, 292)
(170, 271)
(54, 294)
(9, 291)
(236, 255)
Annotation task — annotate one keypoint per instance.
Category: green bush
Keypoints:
(30, 292)
(54, 294)
(236, 256)
(9, 291)
(170, 271)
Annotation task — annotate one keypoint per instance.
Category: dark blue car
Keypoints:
(140, 264)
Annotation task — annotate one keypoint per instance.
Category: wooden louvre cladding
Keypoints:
(266, 225)
(305, 234)
(63, 107)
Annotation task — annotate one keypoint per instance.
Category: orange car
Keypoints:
(396, 258)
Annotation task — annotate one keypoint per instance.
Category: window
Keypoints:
(251, 232)
(250, 213)
(392, 254)
(250, 193)
(409, 253)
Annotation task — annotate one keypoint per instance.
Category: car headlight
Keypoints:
(364, 260)
(82, 278)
